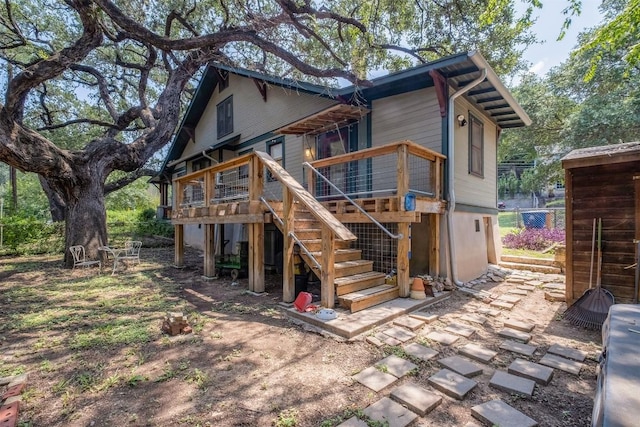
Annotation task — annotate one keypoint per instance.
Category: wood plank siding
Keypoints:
(601, 191)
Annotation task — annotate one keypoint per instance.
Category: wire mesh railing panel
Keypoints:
(232, 185)
(375, 177)
(420, 181)
(193, 193)
(376, 245)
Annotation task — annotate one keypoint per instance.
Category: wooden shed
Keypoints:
(602, 182)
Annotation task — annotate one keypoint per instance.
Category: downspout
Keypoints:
(451, 206)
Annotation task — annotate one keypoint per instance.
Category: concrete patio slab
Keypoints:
(514, 334)
(568, 352)
(396, 366)
(512, 383)
(400, 334)
(477, 352)
(349, 325)
(392, 412)
(533, 371)
(460, 365)
(374, 379)
(498, 413)
(474, 318)
(461, 330)
(442, 338)
(410, 323)
(517, 347)
(452, 384)
(561, 363)
(519, 325)
(420, 351)
(416, 398)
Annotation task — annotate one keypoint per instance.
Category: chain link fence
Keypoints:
(533, 218)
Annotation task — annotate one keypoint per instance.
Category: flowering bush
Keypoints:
(535, 239)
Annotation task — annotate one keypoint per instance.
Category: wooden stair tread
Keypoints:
(318, 254)
(346, 264)
(342, 281)
(367, 293)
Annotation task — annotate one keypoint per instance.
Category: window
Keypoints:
(275, 148)
(476, 147)
(224, 80)
(225, 117)
(200, 164)
(243, 171)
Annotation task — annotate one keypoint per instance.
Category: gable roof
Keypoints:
(601, 155)
(459, 70)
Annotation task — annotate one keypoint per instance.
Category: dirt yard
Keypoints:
(95, 355)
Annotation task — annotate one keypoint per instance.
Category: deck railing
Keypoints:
(393, 170)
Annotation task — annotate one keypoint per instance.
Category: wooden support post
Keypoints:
(434, 245)
(256, 179)
(256, 257)
(179, 245)
(209, 251)
(311, 182)
(404, 246)
(209, 187)
(327, 279)
(436, 178)
(288, 279)
(402, 166)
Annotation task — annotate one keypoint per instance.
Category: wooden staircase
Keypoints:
(357, 285)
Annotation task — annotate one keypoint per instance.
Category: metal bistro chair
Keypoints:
(79, 258)
(131, 252)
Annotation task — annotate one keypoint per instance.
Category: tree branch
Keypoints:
(102, 85)
(123, 182)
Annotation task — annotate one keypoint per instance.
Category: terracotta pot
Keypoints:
(417, 289)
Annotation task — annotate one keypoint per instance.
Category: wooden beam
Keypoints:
(256, 258)
(226, 219)
(434, 245)
(288, 278)
(568, 202)
(262, 88)
(327, 279)
(209, 250)
(178, 245)
(402, 174)
(402, 262)
(360, 218)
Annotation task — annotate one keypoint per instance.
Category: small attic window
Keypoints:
(224, 80)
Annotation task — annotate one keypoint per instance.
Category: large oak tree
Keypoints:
(97, 86)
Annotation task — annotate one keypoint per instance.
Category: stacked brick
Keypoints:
(175, 324)
(11, 399)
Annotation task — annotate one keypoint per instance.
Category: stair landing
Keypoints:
(348, 325)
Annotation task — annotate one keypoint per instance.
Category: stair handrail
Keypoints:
(350, 200)
(291, 233)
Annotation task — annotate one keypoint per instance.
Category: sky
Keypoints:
(547, 28)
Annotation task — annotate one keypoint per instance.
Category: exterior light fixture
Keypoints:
(461, 120)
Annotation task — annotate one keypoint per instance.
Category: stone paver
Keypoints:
(568, 352)
(514, 334)
(425, 317)
(371, 339)
(420, 351)
(477, 352)
(509, 298)
(374, 379)
(461, 330)
(416, 398)
(397, 366)
(534, 283)
(555, 296)
(501, 304)
(474, 318)
(392, 412)
(400, 334)
(533, 371)
(461, 366)
(442, 338)
(489, 311)
(386, 339)
(410, 323)
(526, 287)
(520, 326)
(498, 413)
(516, 280)
(452, 384)
(554, 286)
(517, 347)
(517, 291)
(353, 422)
(561, 363)
(512, 383)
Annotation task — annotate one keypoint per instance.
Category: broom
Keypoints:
(591, 309)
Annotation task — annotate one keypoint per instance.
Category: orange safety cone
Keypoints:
(417, 289)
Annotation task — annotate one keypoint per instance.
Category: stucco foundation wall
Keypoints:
(470, 246)
(194, 236)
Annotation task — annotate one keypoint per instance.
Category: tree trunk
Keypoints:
(56, 203)
(86, 219)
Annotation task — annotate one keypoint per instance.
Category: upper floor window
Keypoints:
(275, 148)
(476, 147)
(224, 111)
(200, 164)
